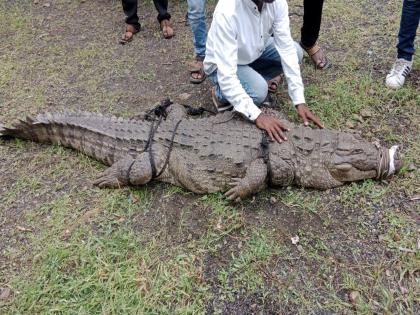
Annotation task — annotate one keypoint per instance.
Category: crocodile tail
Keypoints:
(64, 129)
(21, 130)
(106, 139)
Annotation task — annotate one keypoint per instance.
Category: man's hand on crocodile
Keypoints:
(273, 127)
(308, 116)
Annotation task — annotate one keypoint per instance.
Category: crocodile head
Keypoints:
(355, 159)
(325, 159)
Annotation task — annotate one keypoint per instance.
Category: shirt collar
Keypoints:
(253, 7)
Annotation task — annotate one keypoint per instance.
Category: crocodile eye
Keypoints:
(357, 151)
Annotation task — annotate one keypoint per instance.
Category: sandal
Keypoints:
(318, 56)
(128, 35)
(274, 83)
(167, 30)
(196, 67)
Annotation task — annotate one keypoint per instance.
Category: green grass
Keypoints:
(113, 272)
(298, 200)
(360, 192)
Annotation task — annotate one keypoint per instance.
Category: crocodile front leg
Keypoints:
(132, 171)
(176, 112)
(253, 182)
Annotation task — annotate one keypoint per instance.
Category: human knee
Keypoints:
(261, 95)
(259, 91)
(253, 83)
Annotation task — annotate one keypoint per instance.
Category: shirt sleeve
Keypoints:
(287, 51)
(226, 57)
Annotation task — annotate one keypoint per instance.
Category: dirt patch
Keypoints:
(174, 219)
(256, 303)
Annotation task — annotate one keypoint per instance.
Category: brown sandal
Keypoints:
(128, 35)
(318, 56)
(167, 30)
(196, 67)
(274, 83)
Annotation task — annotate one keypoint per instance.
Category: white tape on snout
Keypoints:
(392, 151)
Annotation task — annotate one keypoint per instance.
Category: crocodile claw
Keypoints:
(235, 182)
(107, 180)
(233, 194)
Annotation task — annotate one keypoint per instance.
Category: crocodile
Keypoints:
(221, 153)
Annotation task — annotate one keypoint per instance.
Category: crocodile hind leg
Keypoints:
(132, 171)
(254, 181)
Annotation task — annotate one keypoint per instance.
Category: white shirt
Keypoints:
(238, 35)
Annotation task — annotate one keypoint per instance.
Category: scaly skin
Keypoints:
(220, 153)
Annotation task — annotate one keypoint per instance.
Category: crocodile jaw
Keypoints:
(388, 162)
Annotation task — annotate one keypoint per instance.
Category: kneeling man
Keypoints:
(249, 44)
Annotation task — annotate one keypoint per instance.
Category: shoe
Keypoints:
(220, 107)
(396, 78)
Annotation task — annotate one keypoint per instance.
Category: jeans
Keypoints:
(408, 27)
(130, 11)
(312, 13)
(197, 19)
(254, 77)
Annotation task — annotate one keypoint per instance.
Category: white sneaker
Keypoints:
(396, 78)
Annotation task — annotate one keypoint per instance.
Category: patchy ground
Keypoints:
(69, 248)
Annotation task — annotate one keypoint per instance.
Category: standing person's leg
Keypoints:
(164, 18)
(197, 20)
(312, 15)
(131, 20)
(408, 27)
(409, 23)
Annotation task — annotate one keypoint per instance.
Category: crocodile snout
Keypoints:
(390, 162)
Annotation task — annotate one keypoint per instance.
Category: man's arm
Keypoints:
(287, 51)
(290, 63)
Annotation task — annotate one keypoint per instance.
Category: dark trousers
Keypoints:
(130, 11)
(409, 22)
(312, 13)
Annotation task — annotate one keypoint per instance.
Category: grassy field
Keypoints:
(67, 247)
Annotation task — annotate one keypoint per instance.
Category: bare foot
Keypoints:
(128, 35)
(167, 30)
